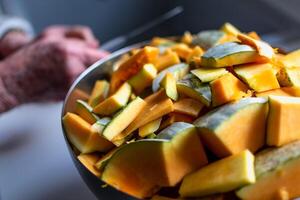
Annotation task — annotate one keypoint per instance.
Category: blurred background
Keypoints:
(34, 162)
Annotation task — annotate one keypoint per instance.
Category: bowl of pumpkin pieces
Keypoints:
(214, 115)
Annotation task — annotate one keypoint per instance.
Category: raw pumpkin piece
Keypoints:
(192, 87)
(114, 102)
(187, 38)
(263, 48)
(208, 39)
(196, 53)
(75, 95)
(259, 77)
(182, 50)
(178, 71)
(80, 134)
(293, 91)
(283, 126)
(149, 128)
(176, 117)
(167, 59)
(291, 60)
(227, 88)
(99, 125)
(229, 54)
(276, 92)
(168, 160)
(99, 92)
(230, 29)
(132, 66)
(169, 84)
(289, 77)
(143, 78)
(157, 41)
(221, 176)
(235, 127)
(278, 174)
(208, 74)
(89, 160)
(157, 105)
(85, 111)
(123, 119)
(101, 162)
(188, 106)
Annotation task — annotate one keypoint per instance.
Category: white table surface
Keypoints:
(34, 160)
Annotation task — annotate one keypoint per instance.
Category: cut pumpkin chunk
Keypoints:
(276, 92)
(293, 91)
(229, 54)
(123, 119)
(89, 161)
(278, 174)
(208, 39)
(259, 77)
(132, 66)
(80, 134)
(196, 53)
(291, 60)
(230, 29)
(188, 106)
(263, 48)
(178, 71)
(182, 50)
(85, 111)
(221, 176)
(157, 105)
(169, 84)
(143, 78)
(99, 92)
(166, 59)
(168, 160)
(192, 87)
(101, 162)
(114, 102)
(289, 77)
(149, 128)
(227, 88)
(230, 129)
(176, 117)
(283, 125)
(207, 74)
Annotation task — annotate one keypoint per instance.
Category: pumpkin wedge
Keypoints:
(293, 91)
(178, 71)
(99, 92)
(168, 160)
(291, 60)
(149, 128)
(208, 39)
(132, 66)
(278, 174)
(221, 176)
(166, 59)
(169, 84)
(86, 112)
(263, 48)
(81, 135)
(89, 161)
(188, 106)
(192, 87)
(230, 29)
(227, 88)
(157, 105)
(143, 78)
(276, 92)
(230, 129)
(208, 74)
(289, 77)
(114, 102)
(283, 126)
(123, 119)
(259, 77)
(228, 54)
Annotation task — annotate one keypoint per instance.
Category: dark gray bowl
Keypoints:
(84, 83)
